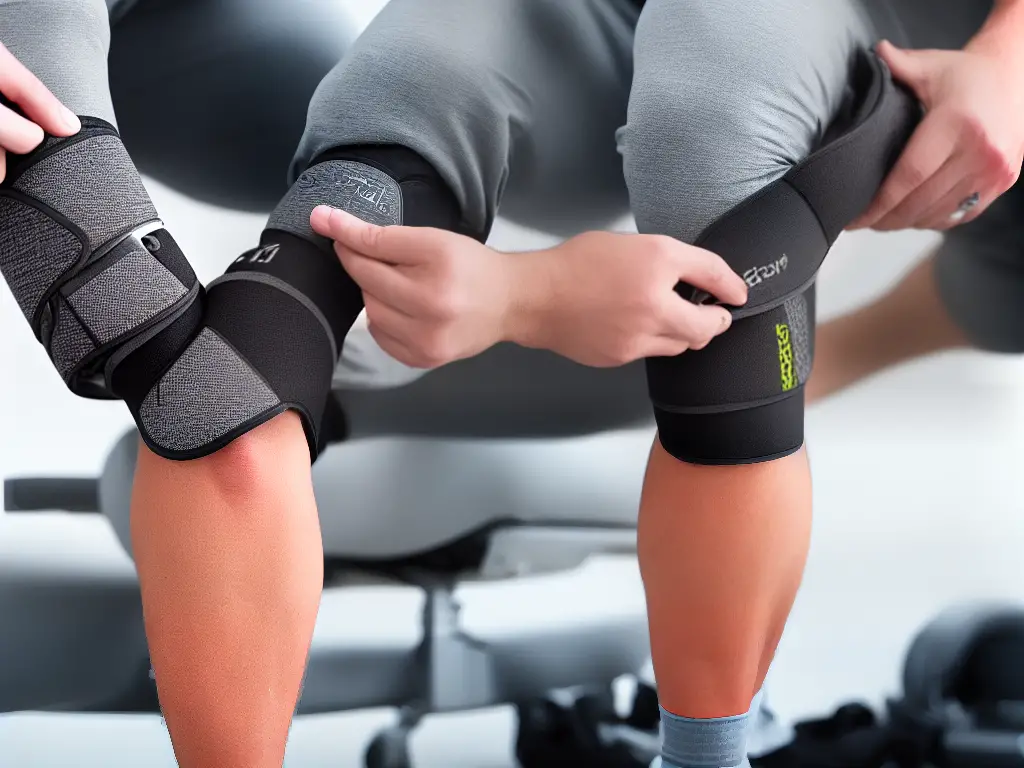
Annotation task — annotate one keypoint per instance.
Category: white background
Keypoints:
(916, 506)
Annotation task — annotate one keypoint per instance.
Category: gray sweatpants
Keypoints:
(565, 113)
(569, 114)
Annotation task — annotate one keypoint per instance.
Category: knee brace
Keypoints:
(740, 400)
(275, 322)
(87, 258)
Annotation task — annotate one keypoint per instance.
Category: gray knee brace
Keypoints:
(122, 315)
(274, 324)
(87, 258)
(740, 399)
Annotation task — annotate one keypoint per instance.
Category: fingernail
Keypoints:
(726, 320)
(71, 120)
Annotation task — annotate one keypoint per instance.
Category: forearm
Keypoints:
(535, 290)
(1003, 34)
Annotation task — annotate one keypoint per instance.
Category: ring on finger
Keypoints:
(966, 206)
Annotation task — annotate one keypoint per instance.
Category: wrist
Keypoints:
(531, 280)
(1002, 36)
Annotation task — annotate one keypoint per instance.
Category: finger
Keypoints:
(692, 324)
(664, 346)
(709, 272)
(918, 203)
(945, 213)
(40, 106)
(907, 67)
(3, 165)
(17, 134)
(394, 347)
(391, 244)
(927, 151)
(390, 320)
(380, 279)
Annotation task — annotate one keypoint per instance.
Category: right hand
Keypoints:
(611, 299)
(43, 112)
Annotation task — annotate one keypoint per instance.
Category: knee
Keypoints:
(691, 152)
(418, 91)
(255, 464)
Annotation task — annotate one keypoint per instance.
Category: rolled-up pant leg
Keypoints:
(511, 103)
(510, 100)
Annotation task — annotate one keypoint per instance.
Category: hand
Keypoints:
(432, 296)
(970, 143)
(43, 112)
(611, 299)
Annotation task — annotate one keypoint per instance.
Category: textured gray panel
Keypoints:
(69, 344)
(360, 189)
(129, 292)
(34, 252)
(208, 392)
(95, 185)
(799, 320)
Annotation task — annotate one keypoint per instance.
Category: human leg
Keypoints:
(227, 546)
(294, 277)
(721, 571)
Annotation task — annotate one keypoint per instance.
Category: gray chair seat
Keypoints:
(506, 392)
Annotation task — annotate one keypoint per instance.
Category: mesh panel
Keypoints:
(798, 317)
(69, 344)
(34, 252)
(134, 289)
(94, 185)
(208, 392)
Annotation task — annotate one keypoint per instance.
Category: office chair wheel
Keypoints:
(645, 714)
(554, 735)
(389, 749)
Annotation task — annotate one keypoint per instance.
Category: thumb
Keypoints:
(908, 67)
(348, 230)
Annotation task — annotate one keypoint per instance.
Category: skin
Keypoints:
(228, 548)
(971, 140)
(41, 112)
(433, 296)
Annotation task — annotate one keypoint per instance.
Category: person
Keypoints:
(967, 291)
(226, 544)
(135, 66)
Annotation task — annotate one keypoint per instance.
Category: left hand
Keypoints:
(971, 141)
(431, 296)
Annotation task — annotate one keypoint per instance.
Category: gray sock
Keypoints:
(719, 742)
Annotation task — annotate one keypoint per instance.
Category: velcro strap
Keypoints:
(84, 253)
(777, 239)
(762, 358)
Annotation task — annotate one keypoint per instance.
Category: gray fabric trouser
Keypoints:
(571, 114)
(566, 113)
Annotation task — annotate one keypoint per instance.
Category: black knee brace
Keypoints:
(87, 258)
(740, 400)
(275, 323)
